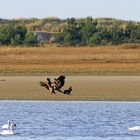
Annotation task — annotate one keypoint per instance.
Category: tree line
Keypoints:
(16, 34)
(83, 31)
(51, 24)
(90, 32)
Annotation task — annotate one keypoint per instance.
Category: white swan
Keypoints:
(6, 126)
(9, 131)
(134, 128)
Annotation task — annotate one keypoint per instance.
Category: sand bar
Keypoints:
(116, 88)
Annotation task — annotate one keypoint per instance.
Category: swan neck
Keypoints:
(11, 128)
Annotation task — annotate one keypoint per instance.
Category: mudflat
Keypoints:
(109, 88)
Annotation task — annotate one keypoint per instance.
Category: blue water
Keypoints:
(71, 120)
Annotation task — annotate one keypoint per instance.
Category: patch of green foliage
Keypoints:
(15, 34)
(82, 31)
(90, 32)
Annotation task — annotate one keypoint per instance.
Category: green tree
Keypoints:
(20, 30)
(129, 28)
(59, 38)
(16, 40)
(19, 35)
(72, 33)
(88, 28)
(16, 34)
(30, 39)
(95, 39)
(6, 33)
(105, 35)
(135, 35)
(117, 34)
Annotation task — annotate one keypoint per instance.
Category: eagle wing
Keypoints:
(59, 82)
(44, 84)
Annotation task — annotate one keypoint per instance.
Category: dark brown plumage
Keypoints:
(59, 82)
(68, 91)
(56, 85)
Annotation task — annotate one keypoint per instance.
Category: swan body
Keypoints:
(6, 126)
(134, 128)
(9, 131)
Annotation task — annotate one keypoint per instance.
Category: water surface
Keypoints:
(71, 120)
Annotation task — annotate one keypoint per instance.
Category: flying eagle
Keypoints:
(48, 85)
(57, 84)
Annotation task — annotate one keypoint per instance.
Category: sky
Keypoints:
(120, 9)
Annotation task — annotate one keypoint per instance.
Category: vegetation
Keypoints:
(16, 34)
(53, 60)
(51, 24)
(82, 31)
(90, 32)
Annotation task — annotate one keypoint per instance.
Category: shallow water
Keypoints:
(71, 120)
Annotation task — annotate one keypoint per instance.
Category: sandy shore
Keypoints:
(116, 88)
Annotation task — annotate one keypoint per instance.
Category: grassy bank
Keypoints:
(51, 60)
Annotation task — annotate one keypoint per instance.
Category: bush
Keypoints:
(16, 40)
(6, 34)
(16, 35)
(95, 39)
(30, 39)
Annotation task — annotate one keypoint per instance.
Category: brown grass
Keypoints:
(111, 60)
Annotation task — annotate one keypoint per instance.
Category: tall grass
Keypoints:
(71, 60)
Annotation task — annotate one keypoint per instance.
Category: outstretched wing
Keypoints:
(56, 85)
(59, 82)
(44, 84)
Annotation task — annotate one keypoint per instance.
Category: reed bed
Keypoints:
(70, 60)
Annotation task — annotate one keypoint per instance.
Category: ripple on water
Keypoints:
(71, 120)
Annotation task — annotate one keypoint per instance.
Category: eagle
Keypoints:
(59, 83)
(56, 85)
(48, 85)
(68, 91)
